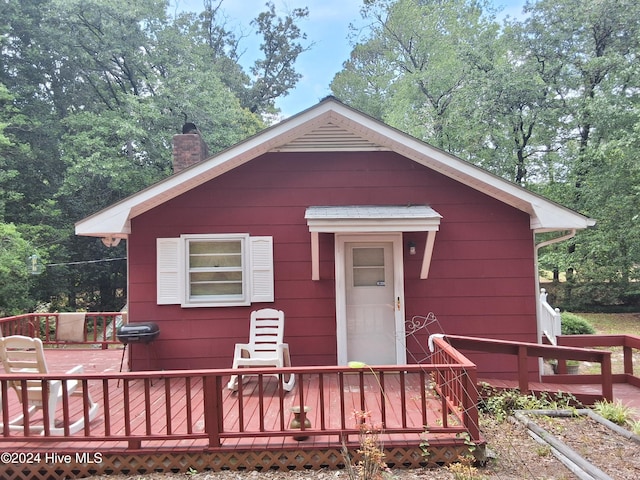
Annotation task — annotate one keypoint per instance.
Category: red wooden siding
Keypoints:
(481, 280)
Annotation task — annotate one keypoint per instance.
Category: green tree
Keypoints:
(610, 253)
(515, 107)
(272, 75)
(29, 71)
(593, 46)
(429, 54)
(7, 149)
(14, 275)
(365, 80)
(94, 93)
(5, 101)
(275, 74)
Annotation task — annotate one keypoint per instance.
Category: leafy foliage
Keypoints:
(502, 403)
(91, 93)
(14, 276)
(573, 324)
(549, 102)
(615, 412)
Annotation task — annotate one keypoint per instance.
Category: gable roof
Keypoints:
(332, 126)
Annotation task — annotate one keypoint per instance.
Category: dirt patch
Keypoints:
(516, 455)
(602, 447)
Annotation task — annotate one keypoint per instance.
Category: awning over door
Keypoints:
(372, 219)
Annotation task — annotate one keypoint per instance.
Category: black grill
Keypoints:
(141, 332)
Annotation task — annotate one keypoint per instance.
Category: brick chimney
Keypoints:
(188, 149)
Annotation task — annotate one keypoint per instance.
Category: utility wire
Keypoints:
(86, 261)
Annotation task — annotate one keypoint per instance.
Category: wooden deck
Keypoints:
(166, 420)
(176, 420)
(261, 411)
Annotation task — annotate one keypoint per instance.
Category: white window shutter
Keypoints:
(168, 266)
(261, 254)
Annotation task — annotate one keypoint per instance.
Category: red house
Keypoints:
(347, 225)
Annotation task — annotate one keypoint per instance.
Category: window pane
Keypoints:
(212, 277)
(368, 267)
(216, 283)
(215, 269)
(223, 246)
(215, 254)
(368, 257)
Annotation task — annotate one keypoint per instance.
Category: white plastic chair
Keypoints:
(265, 348)
(25, 355)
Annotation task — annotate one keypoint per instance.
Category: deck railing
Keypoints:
(550, 318)
(182, 407)
(98, 328)
(455, 379)
(628, 344)
(524, 351)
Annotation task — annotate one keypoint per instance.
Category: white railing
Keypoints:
(550, 320)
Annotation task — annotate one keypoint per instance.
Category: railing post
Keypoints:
(543, 295)
(523, 374)
(628, 359)
(32, 329)
(607, 377)
(212, 403)
(470, 402)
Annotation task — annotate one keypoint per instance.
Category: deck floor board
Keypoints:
(158, 412)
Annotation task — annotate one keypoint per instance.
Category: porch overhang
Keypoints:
(372, 219)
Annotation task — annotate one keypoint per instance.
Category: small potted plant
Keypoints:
(573, 367)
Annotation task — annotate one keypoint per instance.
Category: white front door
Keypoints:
(370, 301)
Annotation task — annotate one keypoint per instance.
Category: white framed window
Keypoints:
(214, 270)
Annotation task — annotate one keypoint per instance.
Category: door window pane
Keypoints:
(368, 267)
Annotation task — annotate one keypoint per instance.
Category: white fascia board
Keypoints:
(558, 218)
(115, 220)
(372, 226)
(372, 218)
(114, 224)
(545, 214)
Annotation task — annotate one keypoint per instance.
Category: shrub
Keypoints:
(615, 412)
(573, 324)
(501, 404)
(372, 465)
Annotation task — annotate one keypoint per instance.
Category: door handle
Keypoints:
(398, 303)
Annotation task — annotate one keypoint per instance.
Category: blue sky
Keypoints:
(327, 27)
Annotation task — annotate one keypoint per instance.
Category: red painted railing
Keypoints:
(456, 380)
(143, 408)
(523, 351)
(98, 328)
(628, 343)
